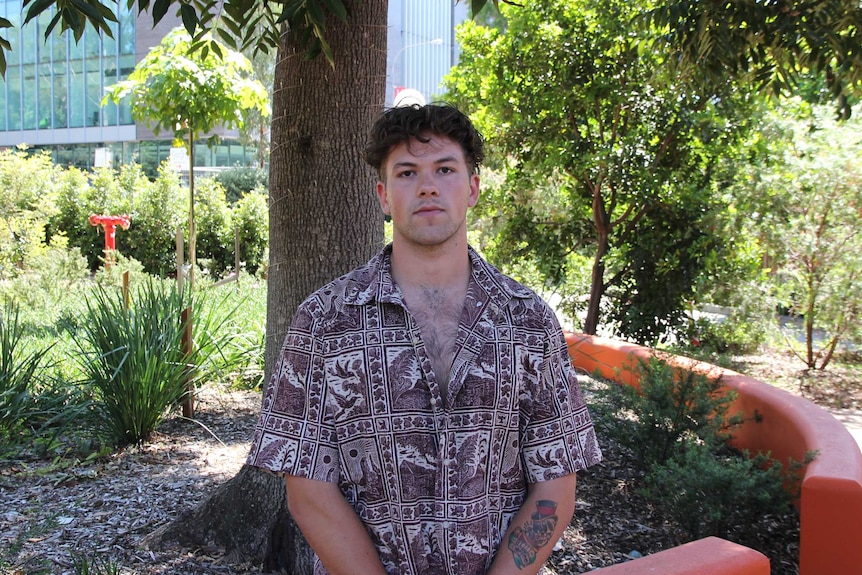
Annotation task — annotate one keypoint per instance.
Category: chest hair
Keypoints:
(437, 312)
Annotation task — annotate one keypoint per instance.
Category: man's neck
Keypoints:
(442, 267)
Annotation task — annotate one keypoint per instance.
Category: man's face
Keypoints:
(427, 188)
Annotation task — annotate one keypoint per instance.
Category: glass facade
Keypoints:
(55, 83)
(52, 96)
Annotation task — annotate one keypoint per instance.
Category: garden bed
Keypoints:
(102, 508)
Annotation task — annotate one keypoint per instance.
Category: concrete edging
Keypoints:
(708, 556)
(787, 426)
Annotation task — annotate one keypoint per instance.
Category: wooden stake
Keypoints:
(189, 397)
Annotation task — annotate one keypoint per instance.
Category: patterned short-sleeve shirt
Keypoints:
(353, 400)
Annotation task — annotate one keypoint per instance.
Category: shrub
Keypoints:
(251, 219)
(728, 494)
(673, 406)
(157, 210)
(27, 201)
(215, 237)
(677, 429)
(241, 180)
(76, 200)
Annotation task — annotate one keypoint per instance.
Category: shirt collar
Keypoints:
(374, 281)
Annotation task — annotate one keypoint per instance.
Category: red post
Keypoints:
(110, 223)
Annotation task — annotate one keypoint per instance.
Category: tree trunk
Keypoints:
(247, 519)
(324, 216)
(324, 220)
(602, 222)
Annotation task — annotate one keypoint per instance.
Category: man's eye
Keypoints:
(405, 174)
(446, 170)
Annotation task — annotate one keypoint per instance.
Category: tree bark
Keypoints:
(324, 216)
(602, 222)
(324, 220)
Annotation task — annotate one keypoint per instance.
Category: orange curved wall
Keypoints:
(789, 426)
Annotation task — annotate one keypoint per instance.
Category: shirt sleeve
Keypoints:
(559, 437)
(295, 434)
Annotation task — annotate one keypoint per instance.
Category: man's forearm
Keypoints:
(541, 521)
(332, 528)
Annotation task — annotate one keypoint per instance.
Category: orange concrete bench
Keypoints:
(712, 556)
(788, 426)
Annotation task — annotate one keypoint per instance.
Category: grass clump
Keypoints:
(33, 407)
(84, 565)
(134, 360)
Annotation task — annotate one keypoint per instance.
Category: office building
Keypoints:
(52, 94)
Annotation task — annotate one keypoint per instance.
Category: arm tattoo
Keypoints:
(526, 540)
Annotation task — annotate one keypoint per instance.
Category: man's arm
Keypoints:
(332, 528)
(541, 521)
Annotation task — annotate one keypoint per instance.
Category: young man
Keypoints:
(424, 411)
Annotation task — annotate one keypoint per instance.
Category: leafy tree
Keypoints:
(597, 141)
(191, 94)
(801, 201)
(778, 44)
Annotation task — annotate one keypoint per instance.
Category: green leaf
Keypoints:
(160, 8)
(315, 13)
(338, 8)
(190, 18)
(52, 24)
(477, 5)
(292, 11)
(37, 8)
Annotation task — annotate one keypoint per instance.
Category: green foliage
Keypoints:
(241, 180)
(677, 430)
(604, 154)
(156, 210)
(672, 408)
(20, 375)
(56, 413)
(800, 197)
(251, 219)
(134, 358)
(726, 495)
(659, 270)
(84, 565)
(28, 199)
(33, 406)
(775, 46)
(215, 238)
(188, 92)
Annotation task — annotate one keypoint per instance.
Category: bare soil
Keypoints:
(53, 513)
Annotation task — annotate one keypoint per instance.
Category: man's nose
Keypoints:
(427, 186)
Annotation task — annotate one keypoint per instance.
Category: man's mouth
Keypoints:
(429, 209)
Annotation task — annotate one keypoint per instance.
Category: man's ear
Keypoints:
(383, 198)
(474, 190)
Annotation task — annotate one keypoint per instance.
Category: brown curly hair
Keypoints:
(401, 124)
